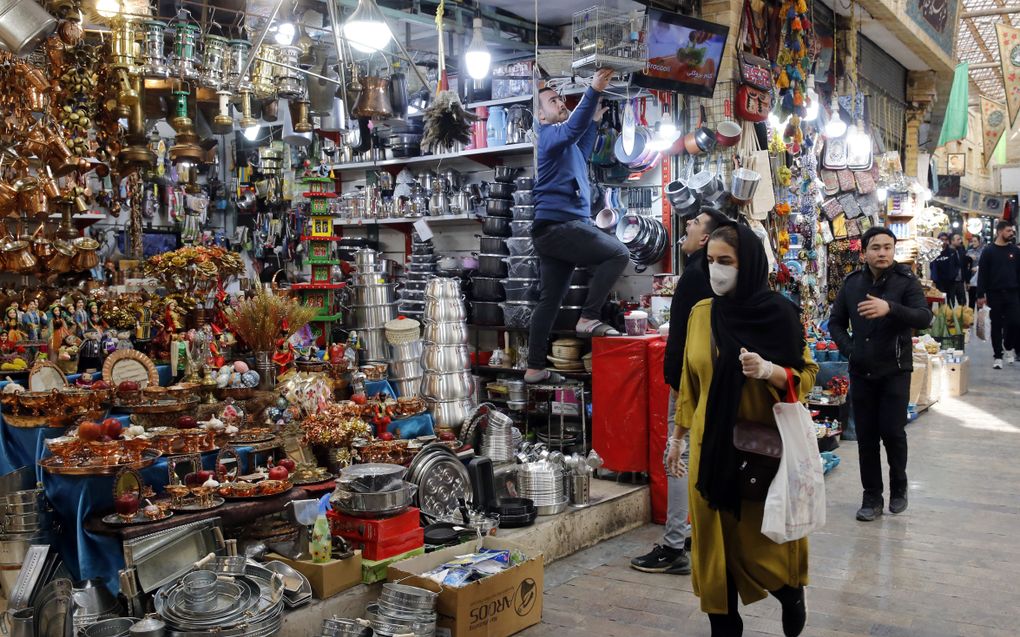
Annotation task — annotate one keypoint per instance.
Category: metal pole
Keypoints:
(258, 43)
(301, 70)
(334, 20)
(981, 13)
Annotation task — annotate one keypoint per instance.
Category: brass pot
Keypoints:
(87, 255)
(63, 258)
(18, 257)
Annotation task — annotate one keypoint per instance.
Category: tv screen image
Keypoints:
(684, 54)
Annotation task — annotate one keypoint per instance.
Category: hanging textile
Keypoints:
(993, 125)
(1009, 54)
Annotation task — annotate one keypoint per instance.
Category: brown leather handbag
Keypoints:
(759, 448)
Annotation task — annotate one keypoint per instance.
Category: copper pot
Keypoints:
(18, 257)
(42, 247)
(8, 195)
(63, 258)
(87, 255)
(374, 100)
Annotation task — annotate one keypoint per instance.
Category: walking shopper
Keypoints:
(883, 303)
(743, 347)
(977, 246)
(670, 557)
(563, 232)
(947, 269)
(998, 286)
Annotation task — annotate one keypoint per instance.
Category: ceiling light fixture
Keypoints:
(835, 127)
(813, 100)
(366, 30)
(477, 58)
(107, 8)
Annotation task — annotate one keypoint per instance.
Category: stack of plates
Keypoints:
(543, 484)
(297, 590)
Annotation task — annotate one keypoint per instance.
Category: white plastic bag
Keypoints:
(979, 323)
(795, 505)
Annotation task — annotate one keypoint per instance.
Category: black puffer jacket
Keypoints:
(879, 347)
(692, 287)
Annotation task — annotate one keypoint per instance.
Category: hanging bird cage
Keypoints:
(609, 38)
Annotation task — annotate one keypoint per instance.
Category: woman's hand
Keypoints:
(754, 366)
(675, 465)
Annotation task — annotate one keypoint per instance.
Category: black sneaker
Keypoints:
(687, 544)
(659, 560)
(680, 566)
(869, 512)
(898, 503)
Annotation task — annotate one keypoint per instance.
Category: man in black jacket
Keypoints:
(882, 303)
(693, 286)
(947, 270)
(998, 282)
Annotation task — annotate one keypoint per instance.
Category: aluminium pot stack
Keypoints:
(374, 304)
(25, 519)
(447, 384)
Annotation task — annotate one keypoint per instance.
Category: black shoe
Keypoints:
(680, 566)
(897, 504)
(659, 560)
(795, 613)
(687, 544)
(869, 512)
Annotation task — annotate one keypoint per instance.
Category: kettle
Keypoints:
(495, 126)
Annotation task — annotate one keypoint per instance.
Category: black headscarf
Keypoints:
(764, 322)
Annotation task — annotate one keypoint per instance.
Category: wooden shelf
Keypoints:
(509, 150)
(404, 220)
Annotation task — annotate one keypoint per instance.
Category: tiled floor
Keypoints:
(949, 566)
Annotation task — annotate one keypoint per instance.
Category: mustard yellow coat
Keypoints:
(719, 540)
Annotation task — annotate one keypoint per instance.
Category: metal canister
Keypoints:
(263, 75)
(184, 58)
(23, 25)
(123, 47)
(213, 61)
(153, 57)
(237, 57)
(288, 79)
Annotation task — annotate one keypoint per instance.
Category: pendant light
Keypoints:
(813, 100)
(835, 127)
(477, 57)
(858, 140)
(366, 30)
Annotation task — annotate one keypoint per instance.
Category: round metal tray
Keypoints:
(316, 480)
(114, 519)
(54, 466)
(217, 501)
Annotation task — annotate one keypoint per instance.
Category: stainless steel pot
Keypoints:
(405, 369)
(26, 523)
(374, 294)
(444, 309)
(365, 256)
(370, 317)
(24, 25)
(388, 502)
(443, 288)
(446, 333)
(150, 626)
(373, 343)
(406, 351)
(13, 547)
(450, 386)
(449, 413)
(445, 358)
(407, 387)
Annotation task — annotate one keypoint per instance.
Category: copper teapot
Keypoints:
(374, 100)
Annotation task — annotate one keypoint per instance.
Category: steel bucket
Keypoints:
(24, 25)
(745, 183)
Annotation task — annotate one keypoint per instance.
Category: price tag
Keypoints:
(422, 228)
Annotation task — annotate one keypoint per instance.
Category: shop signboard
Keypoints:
(937, 18)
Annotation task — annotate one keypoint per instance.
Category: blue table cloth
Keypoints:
(412, 427)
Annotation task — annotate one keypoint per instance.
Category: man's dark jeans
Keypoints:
(880, 416)
(561, 247)
(1004, 309)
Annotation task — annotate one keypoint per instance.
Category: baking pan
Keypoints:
(163, 557)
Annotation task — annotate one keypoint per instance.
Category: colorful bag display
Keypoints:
(754, 95)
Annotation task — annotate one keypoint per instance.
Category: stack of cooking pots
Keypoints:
(25, 519)
(520, 286)
(446, 385)
(645, 237)
(496, 229)
(403, 610)
(418, 271)
(374, 304)
(404, 337)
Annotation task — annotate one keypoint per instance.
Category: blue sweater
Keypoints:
(561, 184)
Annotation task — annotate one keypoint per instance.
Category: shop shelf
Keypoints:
(509, 150)
(390, 222)
(485, 369)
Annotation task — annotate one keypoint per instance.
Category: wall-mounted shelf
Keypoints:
(497, 151)
(388, 222)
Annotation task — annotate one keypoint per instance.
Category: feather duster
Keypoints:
(446, 122)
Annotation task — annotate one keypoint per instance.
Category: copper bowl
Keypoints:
(129, 397)
(72, 400)
(135, 447)
(36, 401)
(154, 392)
(106, 452)
(64, 447)
(181, 390)
(164, 439)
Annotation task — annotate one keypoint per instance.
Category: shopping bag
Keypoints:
(795, 505)
(979, 323)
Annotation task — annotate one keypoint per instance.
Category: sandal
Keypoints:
(597, 328)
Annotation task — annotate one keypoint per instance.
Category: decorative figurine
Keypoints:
(90, 353)
(143, 331)
(81, 318)
(35, 322)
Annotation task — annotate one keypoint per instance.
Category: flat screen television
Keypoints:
(684, 54)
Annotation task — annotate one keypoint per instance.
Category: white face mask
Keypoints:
(722, 277)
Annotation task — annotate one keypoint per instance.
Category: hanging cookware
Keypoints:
(701, 139)
(745, 183)
(322, 93)
(728, 134)
(87, 255)
(374, 100)
(628, 130)
(398, 94)
(24, 25)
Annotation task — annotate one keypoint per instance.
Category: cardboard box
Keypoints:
(932, 390)
(373, 571)
(958, 378)
(329, 578)
(917, 380)
(497, 606)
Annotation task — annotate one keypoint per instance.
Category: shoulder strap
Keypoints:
(791, 391)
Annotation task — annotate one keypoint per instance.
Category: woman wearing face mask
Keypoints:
(745, 347)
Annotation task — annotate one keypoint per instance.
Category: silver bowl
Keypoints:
(444, 309)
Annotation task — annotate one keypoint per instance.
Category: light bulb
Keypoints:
(836, 126)
(251, 132)
(477, 57)
(366, 30)
(926, 195)
(667, 129)
(812, 100)
(658, 144)
(284, 35)
(882, 193)
(107, 8)
(859, 140)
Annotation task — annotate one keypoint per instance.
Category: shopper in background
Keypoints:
(670, 557)
(947, 269)
(883, 303)
(743, 347)
(998, 286)
(563, 232)
(977, 245)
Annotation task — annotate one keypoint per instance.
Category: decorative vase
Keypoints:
(267, 370)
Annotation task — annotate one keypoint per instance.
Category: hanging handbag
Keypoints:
(759, 449)
(754, 94)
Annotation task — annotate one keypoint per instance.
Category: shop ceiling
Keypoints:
(881, 36)
(976, 41)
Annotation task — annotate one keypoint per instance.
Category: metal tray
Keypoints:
(114, 519)
(165, 556)
(54, 466)
(256, 496)
(317, 480)
(28, 577)
(193, 507)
